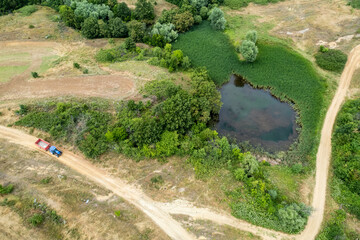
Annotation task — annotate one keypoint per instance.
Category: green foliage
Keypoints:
(323, 49)
(136, 30)
(157, 179)
(197, 19)
(162, 89)
(35, 74)
(78, 123)
(345, 155)
(332, 60)
(297, 168)
(85, 9)
(248, 50)
(24, 109)
(294, 216)
(144, 10)
(336, 228)
(252, 36)
(27, 10)
(117, 28)
(6, 189)
(167, 30)
(130, 44)
(354, 3)
(46, 180)
(217, 19)
(204, 12)
(67, 15)
(36, 219)
(90, 28)
(284, 71)
(237, 4)
(122, 11)
(183, 21)
(76, 65)
(173, 60)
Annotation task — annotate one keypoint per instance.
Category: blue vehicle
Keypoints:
(55, 151)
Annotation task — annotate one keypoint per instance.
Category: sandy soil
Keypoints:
(119, 85)
(307, 22)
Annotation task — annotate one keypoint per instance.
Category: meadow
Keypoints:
(285, 72)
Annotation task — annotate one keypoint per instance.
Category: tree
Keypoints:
(122, 11)
(167, 30)
(251, 36)
(130, 44)
(204, 12)
(217, 19)
(67, 15)
(144, 10)
(136, 30)
(117, 28)
(90, 28)
(248, 50)
(183, 21)
(104, 29)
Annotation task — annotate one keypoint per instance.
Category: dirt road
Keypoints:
(324, 152)
(160, 212)
(131, 194)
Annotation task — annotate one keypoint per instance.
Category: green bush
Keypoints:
(332, 60)
(6, 189)
(36, 219)
(76, 65)
(27, 10)
(90, 28)
(345, 155)
(35, 74)
(237, 4)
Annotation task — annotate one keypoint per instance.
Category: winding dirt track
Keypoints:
(160, 212)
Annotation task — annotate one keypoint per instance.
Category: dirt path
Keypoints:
(131, 194)
(323, 156)
(160, 212)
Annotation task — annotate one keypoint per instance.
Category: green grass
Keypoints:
(286, 182)
(47, 63)
(236, 4)
(7, 72)
(27, 10)
(284, 71)
(10, 56)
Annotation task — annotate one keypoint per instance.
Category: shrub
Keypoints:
(217, 19)
(332, 60)
(204, 12)
(167, 30)
(122, 11)
(248, 50)
(183, 21)
(31, 26)
(197, 19)
(36, 219)
(46, 180)
(117, 28)
(323, 49)
(144, 10)
(136, 30)
(297, 168)
(76, 65)
(35, 74)
(6, 189)
(27, 10)
(85, 71)
(251, 36)
(157, 179)
(90, 28)
(130, 44)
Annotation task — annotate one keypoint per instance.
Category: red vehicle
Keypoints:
(46, 146)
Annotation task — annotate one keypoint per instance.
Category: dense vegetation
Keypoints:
(346, 155)
(174, 122)
(285, 72)
(331, 59)
(354, 3)
(336, 228)
(236, 4)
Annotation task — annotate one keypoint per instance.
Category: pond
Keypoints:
(254, 115)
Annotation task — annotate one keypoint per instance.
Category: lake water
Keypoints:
(254, 115)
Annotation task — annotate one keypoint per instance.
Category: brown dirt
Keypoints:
(326, 20)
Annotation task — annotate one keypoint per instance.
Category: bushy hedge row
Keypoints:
(345, 157)
(336, 228)
(236, 4)
(331, 59)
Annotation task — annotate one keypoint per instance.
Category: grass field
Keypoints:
(285, 72)
(47, 63)
(237, 4)
(7, 72)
